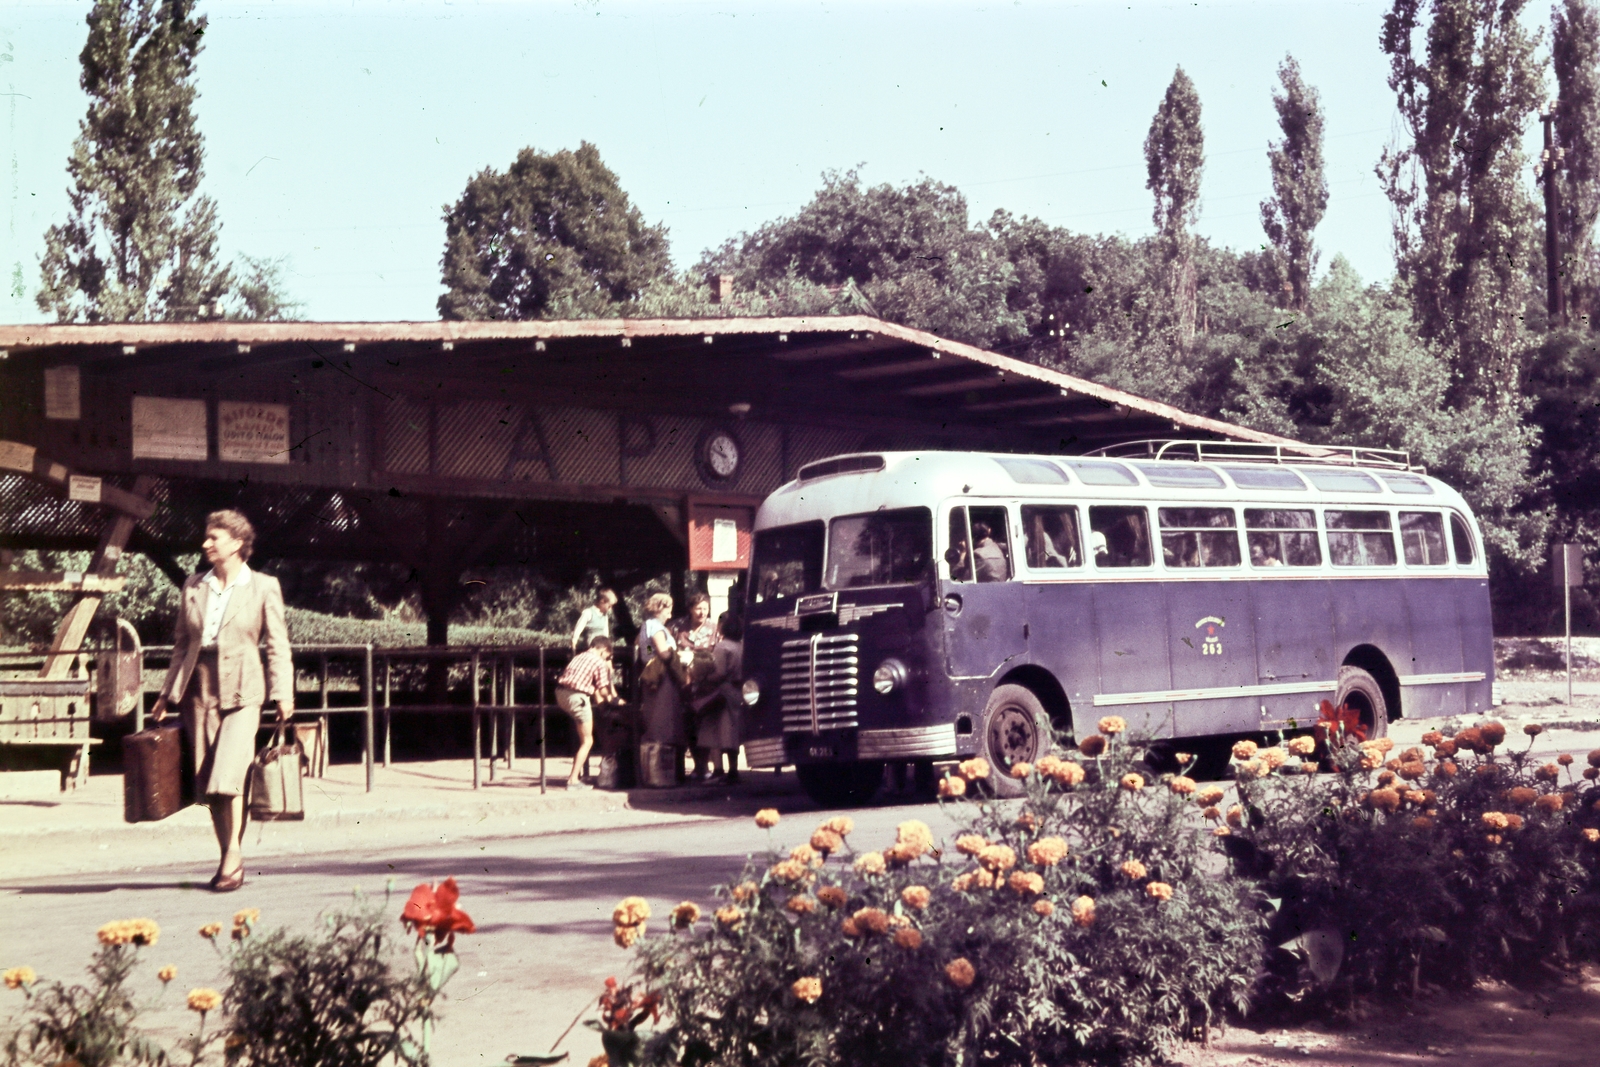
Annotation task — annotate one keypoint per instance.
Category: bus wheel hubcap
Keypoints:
(1013, 736)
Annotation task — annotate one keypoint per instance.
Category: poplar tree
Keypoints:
(140, 243)
(1299, 186)
(1174, 155)
(1464, 222)
(1575, 51)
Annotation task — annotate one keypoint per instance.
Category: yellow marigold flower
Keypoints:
(998, 858)
(960, 972)
(807, 989)
(1021, 769)
(1386, 799)
(973, 769)
(1422, 822)
(908, 937)
(801, 905)
(1182, 785)
(1302, 745)
(1243, 750)
(767, 818)
(204, 1000)
(1111, 725)
(1183, 758)
(1208, 796)
(1133, 869)
(971, 844)
(245, 916)
(807, 855)
(1067, 774)
(950, 788)
(729, 915)
(789, 871)
(1522, 796)
(1551, 802)
(901, 855)
(631, 911)
(1236, 815)
(625, 936)
(1514, 821)
(1251, 768)
(1211, 814)
(870, 863)
(1550, 772)
(1044, 908)
(1307, 767)
(1023, 882)
(843, 825)
(916, 896)
(825, 841)
(1083, 911)
(685, 915)
(871, 920)
(1159, 890)
(17, 977)
(1494, 820)
(914, 833)
(1274, 758)
(1047, 851)
(1591, 835)
(961, 883)
(745, 892)
(1565, 759)
(832, 896)
(210, 930)
(1092, 745)
(129, 932)
(1132, 782)
(167, 973)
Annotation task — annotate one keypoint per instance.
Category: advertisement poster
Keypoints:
(252, 433)
(168, 428)
(62, 393)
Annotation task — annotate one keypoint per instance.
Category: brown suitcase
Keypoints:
(152, 774)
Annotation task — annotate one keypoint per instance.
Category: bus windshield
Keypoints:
(787, 562)
(880, 548)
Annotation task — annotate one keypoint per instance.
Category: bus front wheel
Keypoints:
(840, 785)
(1016, 729)
(1361, 692)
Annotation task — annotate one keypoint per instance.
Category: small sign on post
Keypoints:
(1566, 567)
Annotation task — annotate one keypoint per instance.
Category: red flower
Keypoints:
(432, 909)
(1343, 722)
(620, 1009)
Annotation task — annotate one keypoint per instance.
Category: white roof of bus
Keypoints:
(922, 479)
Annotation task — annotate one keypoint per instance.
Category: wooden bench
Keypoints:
(45, 722)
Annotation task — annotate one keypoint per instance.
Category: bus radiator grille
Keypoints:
(818, 682)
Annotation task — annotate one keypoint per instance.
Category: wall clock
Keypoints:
(718, 454)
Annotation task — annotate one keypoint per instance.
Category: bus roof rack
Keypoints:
(1252, 452)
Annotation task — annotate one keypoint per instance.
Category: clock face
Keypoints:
(722, 454)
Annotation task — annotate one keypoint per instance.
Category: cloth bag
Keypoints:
(274, 787)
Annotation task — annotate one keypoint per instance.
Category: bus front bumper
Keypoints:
(829, 746)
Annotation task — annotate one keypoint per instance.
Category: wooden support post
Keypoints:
(70, 634)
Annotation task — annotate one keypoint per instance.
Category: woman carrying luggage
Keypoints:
(216, 680)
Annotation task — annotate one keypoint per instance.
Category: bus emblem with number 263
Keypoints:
(1212, 645)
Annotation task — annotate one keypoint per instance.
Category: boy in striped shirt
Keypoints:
(585, 682)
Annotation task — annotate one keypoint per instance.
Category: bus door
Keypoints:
(982, 600)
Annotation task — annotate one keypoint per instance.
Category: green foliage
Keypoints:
(553, 236)
(148, 599)
(1464, 222)
(1575, 55)
(1299, 186)
(90, 1025)
(140, 243)
(1174, 156)
(260, 292)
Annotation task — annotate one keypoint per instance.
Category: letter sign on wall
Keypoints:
(252, 433)
(169, 428)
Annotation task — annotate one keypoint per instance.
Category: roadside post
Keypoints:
(1567, 568)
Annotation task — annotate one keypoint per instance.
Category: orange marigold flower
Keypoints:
(1092, 745)
(807, 989)
(1493, 839)
(1412, 771)
(1429, 798)
(826, 841)
(625, 936)
(1386, 778)
(729, 915)
(1047, 765)
(961, 883)
(1132, 782)
(1522, 796)
(1068, 774)
(1594, 758)
(210, 930)
(1250, 768)
(167, 973)
(204, 1000)
(1208, 796)
(914, 833)
(1591, 773)
(1221, 831)
(767, 818)
(832, 896)
(1471, 739)
(870, 863)
(1044, 908)
(1273, 758)
(806, 855)
(843, 825)
(973, 769)
(685, 915)
(1159, 890)
(631, 911)
(1514, 821)
(871, 920)
(983, 879)
(908, 937)
(1532, 729)
(1027, 821)
(1047, 851)
(1083, 911)
(1565, 759)
(745, 892)
(1591, 835)
(1422, 822)
(17, 977)
(960, 972)
(1416, 796)
(1550, 771)
(916, 896)
(1243, 750)
(950, 787)
(129, 932)
(1392, 765)
(998, 858)
(1211, 814)
(1493, 733)
(1386, 799)
(901, 855)
(801, 905)
(1302, 745)
(1551, 802)
(1133, 869)
(849, 928)
(790, 871)
(1021, 769)
(1444, 749)
(1432, 737)
(1236, 815)
(971, 844)
(1023, 882)
(1494, 820)
(1448, 769)
(1112, 725)
(1182, 785)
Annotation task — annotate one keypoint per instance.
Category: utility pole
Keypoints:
(1550, 160)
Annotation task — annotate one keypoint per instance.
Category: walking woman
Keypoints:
(216, 679)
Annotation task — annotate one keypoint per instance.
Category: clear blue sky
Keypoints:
(335, 133)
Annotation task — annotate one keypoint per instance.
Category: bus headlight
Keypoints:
(751, 691)
(890, 675)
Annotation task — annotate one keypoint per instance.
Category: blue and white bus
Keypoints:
(910, 607)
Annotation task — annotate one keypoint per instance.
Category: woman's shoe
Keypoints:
(228, 884)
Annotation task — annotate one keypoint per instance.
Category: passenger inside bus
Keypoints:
(1127, 536)
(1264, 553)
(989, 556)
(1052, 536)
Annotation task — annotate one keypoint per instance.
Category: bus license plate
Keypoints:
(821, 752)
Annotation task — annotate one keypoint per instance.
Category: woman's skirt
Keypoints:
(223, 740)
(663, 715)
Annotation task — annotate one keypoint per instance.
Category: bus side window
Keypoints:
(1119, 536)
(991, 544)
(1462, 538)
(1282, 537)
(959, 554)
(1199, 537)
(1360, 539)
(1051, 536)
(1422, 536)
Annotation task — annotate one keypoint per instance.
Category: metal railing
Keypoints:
(1253, 452)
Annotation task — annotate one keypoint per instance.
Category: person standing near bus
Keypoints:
(585, 683)
(720, 706)
(216, 679)
(594, 621)
(990, 557)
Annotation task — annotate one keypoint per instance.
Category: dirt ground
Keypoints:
(1494, 1026)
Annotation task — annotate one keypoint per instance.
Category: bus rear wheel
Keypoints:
(1016, 729)
(1361, 692)
(840, 785)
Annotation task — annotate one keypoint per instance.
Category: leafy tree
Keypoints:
(907, 255)
(1464, 221)
(140, 242)
(553, 236)
(1575, 51)
(1174, 155)
(260, 293)
(1299, 187)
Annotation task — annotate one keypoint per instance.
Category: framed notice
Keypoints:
(252, 433)
(62, 393)
(720, 535)
(168, 428)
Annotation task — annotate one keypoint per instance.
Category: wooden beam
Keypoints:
(69, 636)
